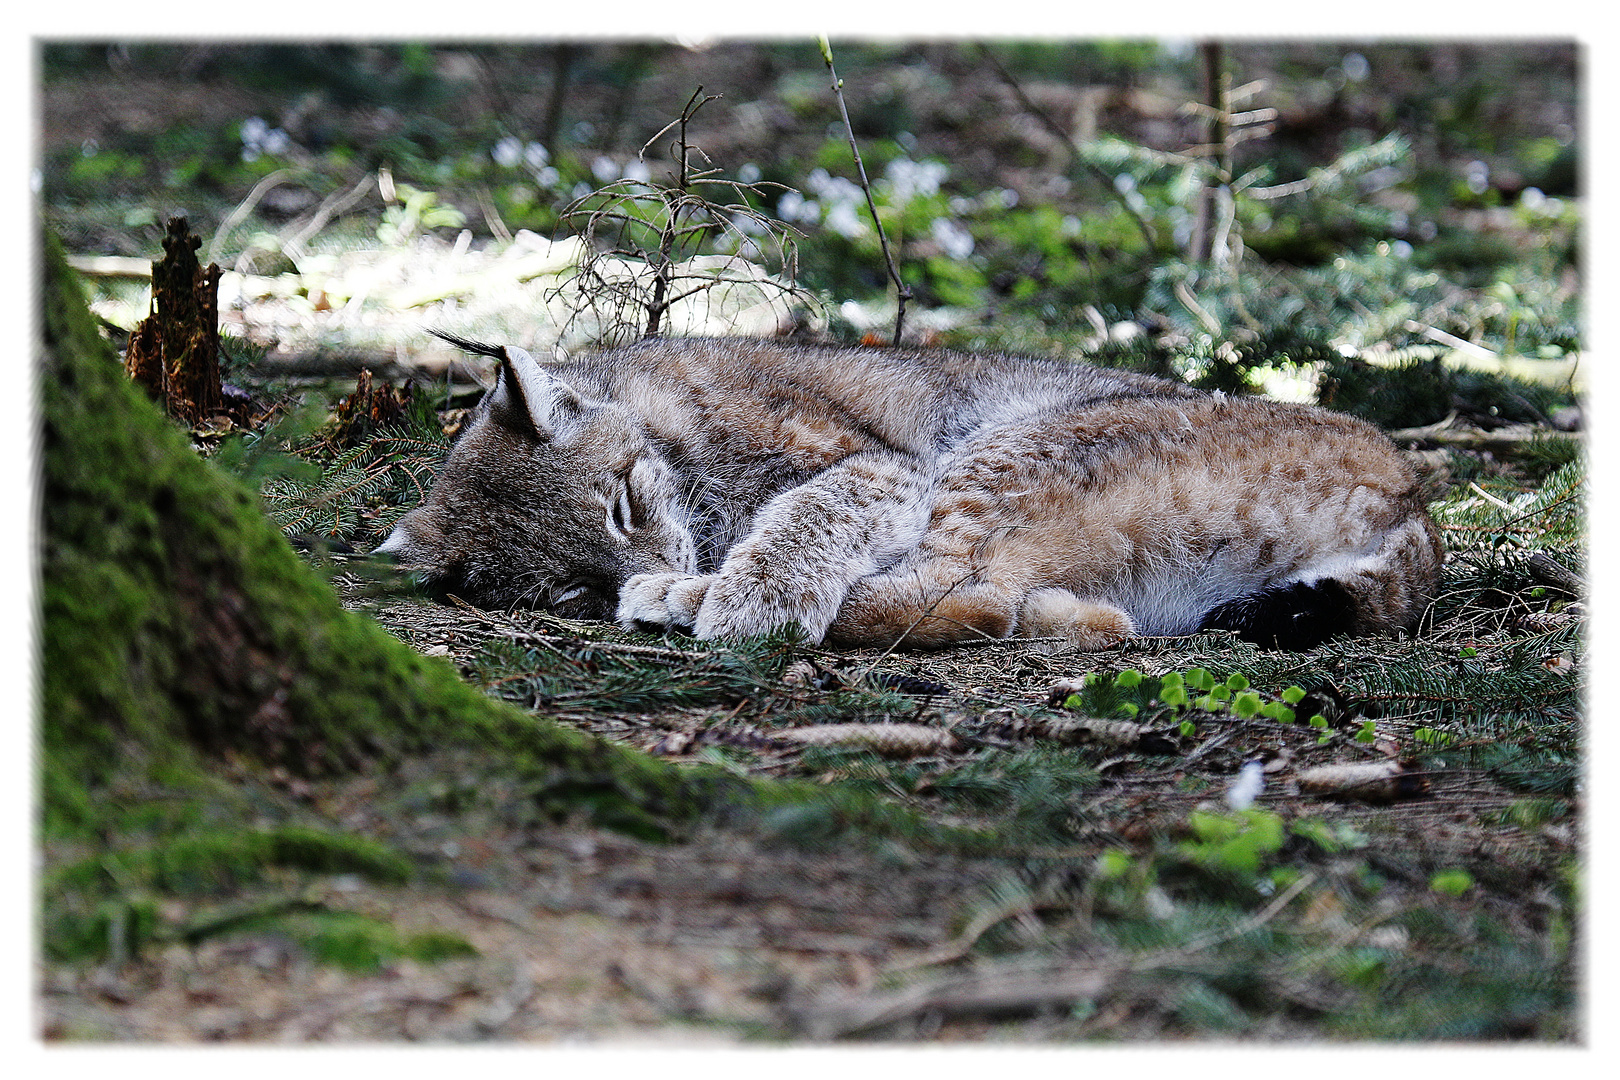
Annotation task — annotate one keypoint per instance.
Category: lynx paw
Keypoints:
(1059, 613)
(737, 614)
(743, 604)
(662, 600)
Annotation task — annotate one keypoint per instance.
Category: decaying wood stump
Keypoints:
(174, 352)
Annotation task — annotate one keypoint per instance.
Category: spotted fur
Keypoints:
(874, 496)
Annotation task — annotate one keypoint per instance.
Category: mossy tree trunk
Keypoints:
(179, 624)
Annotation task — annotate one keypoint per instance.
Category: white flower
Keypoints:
(843, 220)
(507, 153)
(909, 179)
(276, 141)
(605, 169)
(259, 137)
(535, 156)
(795, 207)
(1250, 782)
(955, 240)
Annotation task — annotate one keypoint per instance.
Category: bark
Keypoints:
(174, 352)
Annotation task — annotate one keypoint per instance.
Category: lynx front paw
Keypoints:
(662, 600)
(744, 605)
(734, 613)
(1059, 613)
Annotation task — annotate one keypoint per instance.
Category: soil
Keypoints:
(582, 936)
(586, 936)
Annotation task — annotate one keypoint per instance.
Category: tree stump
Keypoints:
(174, 352)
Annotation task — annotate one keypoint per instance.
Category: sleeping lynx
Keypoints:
(873, 496)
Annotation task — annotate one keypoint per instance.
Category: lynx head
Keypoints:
(549, 499)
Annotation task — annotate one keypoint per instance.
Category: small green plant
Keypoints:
(1168, 697)
(1235, 843)
(1276, 710)
(412, 211)
(1451, 882)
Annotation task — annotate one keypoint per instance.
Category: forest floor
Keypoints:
(1120, 901)
(583, 934)
(1410, 868)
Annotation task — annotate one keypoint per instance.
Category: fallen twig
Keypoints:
(1016, 988)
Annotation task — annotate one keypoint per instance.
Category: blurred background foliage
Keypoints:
(1287, 215)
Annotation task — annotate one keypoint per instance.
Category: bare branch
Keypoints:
(642, 239)
(902, 290)
(1149, 235)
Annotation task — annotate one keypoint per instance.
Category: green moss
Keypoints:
(357, 942)
(104, 904)
(211, 860)
(121, 928)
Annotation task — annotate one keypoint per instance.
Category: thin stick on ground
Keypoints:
(927, 612)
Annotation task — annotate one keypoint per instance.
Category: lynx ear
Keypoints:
(527, 393)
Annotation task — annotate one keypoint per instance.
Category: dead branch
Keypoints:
(902, 290)
(1549, 571)
(1504, 440)
(999, 992)
(1013, 989)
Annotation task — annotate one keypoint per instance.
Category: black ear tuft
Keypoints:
(468, 344)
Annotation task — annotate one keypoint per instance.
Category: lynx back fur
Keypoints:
(875, 496)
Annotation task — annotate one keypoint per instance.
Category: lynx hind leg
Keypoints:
(1060, 613)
